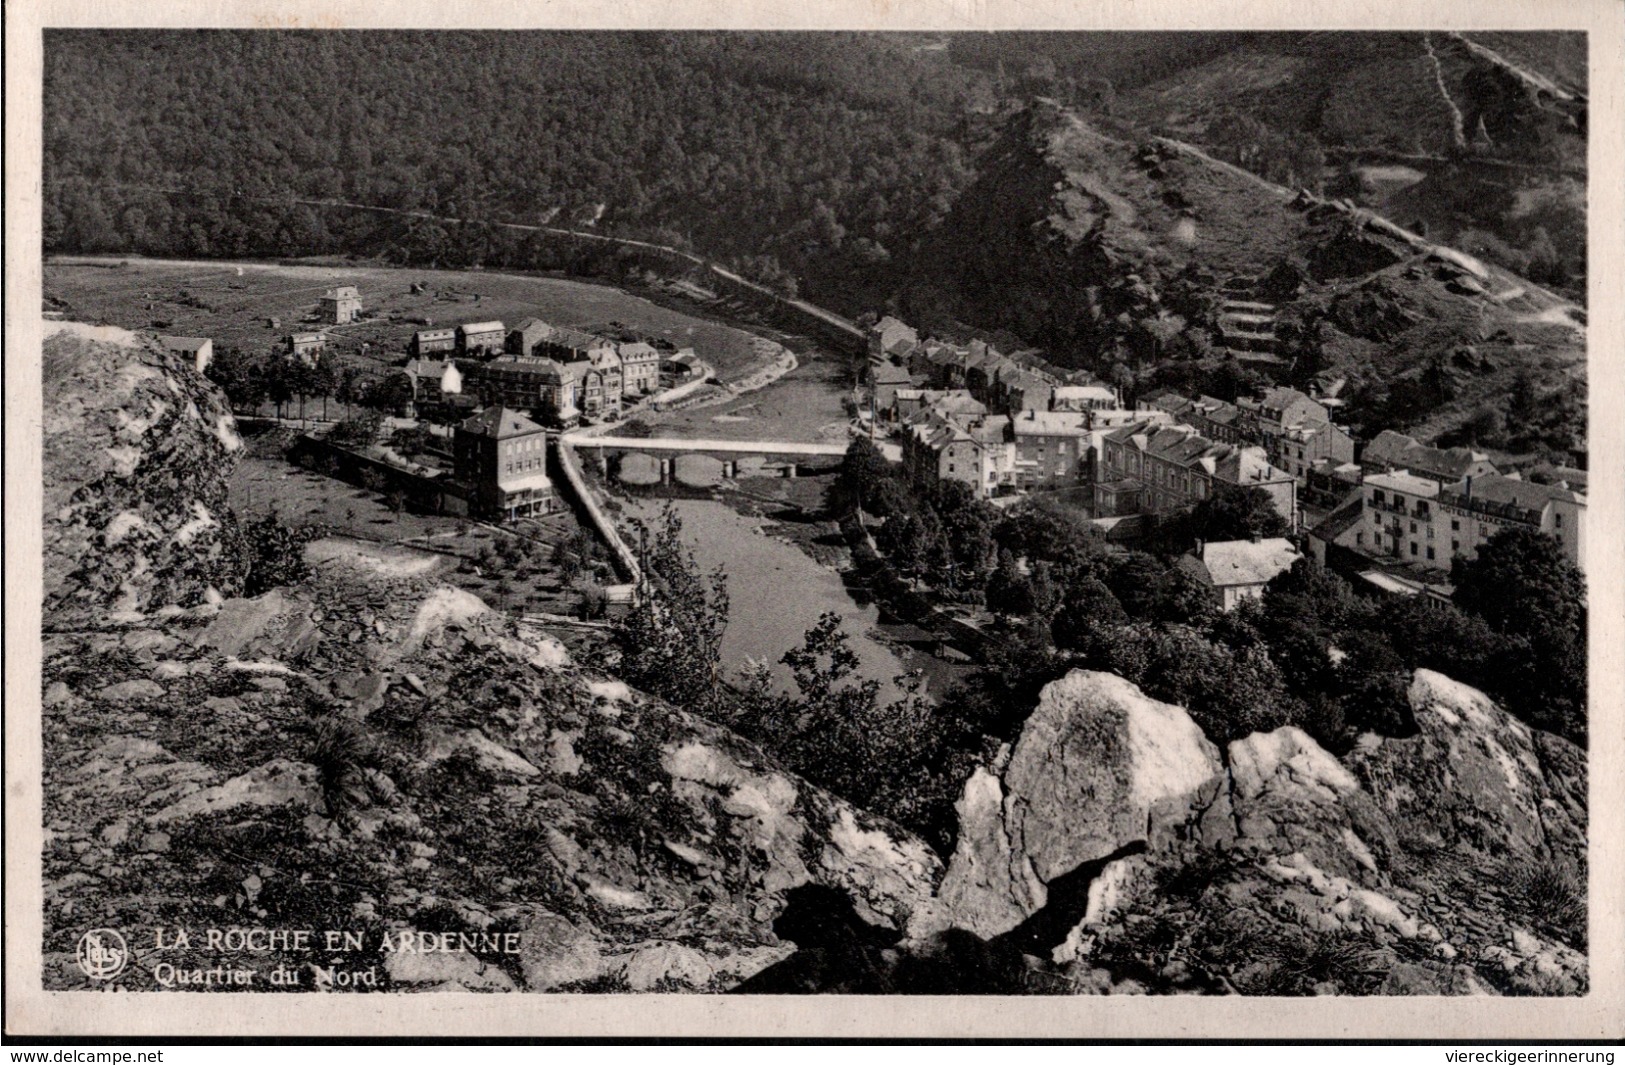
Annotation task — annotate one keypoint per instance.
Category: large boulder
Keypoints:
(1099, 767)
(1117, 851)
(1477, 781)
(138, 448)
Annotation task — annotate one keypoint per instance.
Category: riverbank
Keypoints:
(776, 592)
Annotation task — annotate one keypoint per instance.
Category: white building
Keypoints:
(1415, 519)
(1239, 569)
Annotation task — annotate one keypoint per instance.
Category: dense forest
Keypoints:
(811, 155)
(818, 162)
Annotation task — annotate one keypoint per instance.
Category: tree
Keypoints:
(862, 471)
(323, 382)
(967, 527)
(358, 430)
(891, 758)
(1232, 513)
(1008, 591)
(391, 394)
(239, 377)
(1520, 581)
(1525, 588)
(1088, 607)
(349, 388)
(671, 640)
(277, 374)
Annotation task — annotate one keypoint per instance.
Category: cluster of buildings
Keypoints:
(1395, 510)
(899, 359)
(1417, 508)
(1005, 424)
(536, 366)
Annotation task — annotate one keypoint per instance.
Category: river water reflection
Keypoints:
(776, 593)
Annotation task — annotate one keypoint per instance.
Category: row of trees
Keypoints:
(249, 381)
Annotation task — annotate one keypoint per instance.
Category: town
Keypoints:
(1389, 513)
(911, 513)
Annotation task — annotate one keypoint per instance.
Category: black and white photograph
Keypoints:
(689, 512)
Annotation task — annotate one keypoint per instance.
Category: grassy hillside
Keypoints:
(1118, 252)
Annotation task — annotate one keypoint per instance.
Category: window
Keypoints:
(1430, 552)
(1376, 495)
(1455, 547)
(1455, 526)
(1413, 547)
(1413, 528)
(1558, 518)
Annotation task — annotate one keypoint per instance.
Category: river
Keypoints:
(776, 593)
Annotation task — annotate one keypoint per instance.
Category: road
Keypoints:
(813, 310)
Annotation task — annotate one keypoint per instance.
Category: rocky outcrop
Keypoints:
(378, 751)
(436, 766)
(138, 448)
(1099, 767)
(1119, 851)
(1478, 782)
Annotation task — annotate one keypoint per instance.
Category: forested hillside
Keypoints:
(818, 155)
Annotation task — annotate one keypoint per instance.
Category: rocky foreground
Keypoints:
(375, 752)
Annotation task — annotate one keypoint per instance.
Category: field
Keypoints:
(301, 496)
(231, 301)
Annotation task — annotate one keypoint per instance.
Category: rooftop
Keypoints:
(889, 373)
(1101, 392)
(1404, 481)
(1050, 423)
(1390, 448)
(1496, 488)
(500, 422)
(481, 327)
(184, 343)
(1241, 562)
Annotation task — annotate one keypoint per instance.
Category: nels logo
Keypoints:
(102, 953)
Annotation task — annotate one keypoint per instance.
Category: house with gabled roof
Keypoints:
(892, 339)
(524, 338)
(500, 458)
(1390, 450)
(1237, 570)
(640, 368)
